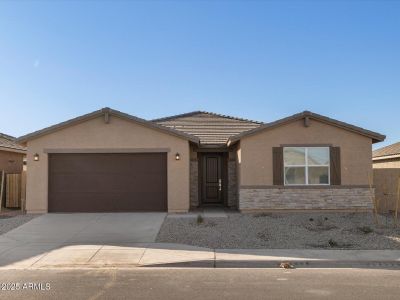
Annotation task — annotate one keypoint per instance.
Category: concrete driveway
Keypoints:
(88, 228)
(50, 232)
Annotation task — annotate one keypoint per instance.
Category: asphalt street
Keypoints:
(201, 284)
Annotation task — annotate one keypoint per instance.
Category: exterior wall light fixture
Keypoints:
(36, 157)
(177, 156)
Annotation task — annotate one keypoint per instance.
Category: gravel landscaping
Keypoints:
(9, 222)
(283, 231)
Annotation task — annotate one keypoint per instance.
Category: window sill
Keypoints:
(310, 187)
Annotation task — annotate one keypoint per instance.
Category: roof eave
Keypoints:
(376, 137)
(58, 126)
(14, 150)
(97, 113)
(385, 157)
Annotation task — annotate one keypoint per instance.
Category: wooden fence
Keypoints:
(386, 185)
(2, 187)
(12, 190)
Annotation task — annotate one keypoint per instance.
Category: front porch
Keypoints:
(213, 178)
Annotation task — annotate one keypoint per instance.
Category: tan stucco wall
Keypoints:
(11, 162)
(256, 151)
(118, 134)
(387, 164)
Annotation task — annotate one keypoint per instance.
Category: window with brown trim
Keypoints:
(306, 165)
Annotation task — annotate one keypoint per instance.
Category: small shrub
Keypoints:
(311, 219)
(326, 219)
(200, 219)
(365, 229)
(332, 243)
(320, 222)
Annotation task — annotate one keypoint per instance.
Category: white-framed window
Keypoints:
(306, 165)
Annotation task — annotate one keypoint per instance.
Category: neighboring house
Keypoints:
(387, 157)
(111, 161)
(11, 154)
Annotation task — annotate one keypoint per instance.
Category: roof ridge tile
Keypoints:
(196, 112)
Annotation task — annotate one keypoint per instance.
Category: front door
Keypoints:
(212, 192)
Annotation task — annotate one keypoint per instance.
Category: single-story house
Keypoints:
(110, 161)
(11, 154)
(387, 157)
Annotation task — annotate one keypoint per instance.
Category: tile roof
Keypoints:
(210, 128)
(7, 141)
(393, 149)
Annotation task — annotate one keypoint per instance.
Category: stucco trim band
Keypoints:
(107, 150)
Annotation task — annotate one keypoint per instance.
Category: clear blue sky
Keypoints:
(258, 60)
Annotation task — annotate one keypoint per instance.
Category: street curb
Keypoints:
(224, 264)
(304, 264)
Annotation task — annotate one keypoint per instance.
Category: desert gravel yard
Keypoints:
(9, 222)
(283, 231)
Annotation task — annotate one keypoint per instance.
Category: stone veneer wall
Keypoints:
(232, 184)
(351, 198)
(194, 183)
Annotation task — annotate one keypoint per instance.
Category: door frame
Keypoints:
(224, 177)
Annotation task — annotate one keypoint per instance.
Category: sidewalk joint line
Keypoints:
(215, 259)
(165, 217)
(140, 259)
(101, 247)
(40, 258)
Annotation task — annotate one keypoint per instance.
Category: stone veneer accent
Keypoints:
(232, 184)
(351, 198)
(194, 183)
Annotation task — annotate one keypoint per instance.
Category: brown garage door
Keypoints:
(107, 182)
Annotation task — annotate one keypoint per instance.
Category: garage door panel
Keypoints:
(72, 202)
(99, 202)
(107, 182)
(103, 182)
(89, 163)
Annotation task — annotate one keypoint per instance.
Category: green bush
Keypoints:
(200, 219)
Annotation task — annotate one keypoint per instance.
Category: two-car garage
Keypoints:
(107, 182)
(107, 161)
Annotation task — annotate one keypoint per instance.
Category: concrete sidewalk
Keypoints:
(183, 256)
